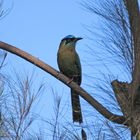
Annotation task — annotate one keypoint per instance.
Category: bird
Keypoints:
(69, 64)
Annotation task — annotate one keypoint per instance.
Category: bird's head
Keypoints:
(70, 41)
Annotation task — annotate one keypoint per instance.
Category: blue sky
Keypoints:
(37, 26)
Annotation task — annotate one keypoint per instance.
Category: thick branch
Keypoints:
(99, 107)
(134, 18)
(122, 96)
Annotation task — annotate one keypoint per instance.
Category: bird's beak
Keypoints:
(78, 38)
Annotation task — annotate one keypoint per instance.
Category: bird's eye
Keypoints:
(69, 40)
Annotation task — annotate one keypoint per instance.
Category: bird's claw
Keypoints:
(69, 81)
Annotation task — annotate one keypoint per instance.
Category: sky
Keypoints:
(37, 26)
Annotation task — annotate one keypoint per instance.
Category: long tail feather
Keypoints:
(76, 107)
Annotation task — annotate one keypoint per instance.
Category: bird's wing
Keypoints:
(78, 77)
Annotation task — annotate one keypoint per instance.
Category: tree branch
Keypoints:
(134, 19)
(99, 107)
(122, 95)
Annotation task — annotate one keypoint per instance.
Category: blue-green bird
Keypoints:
(69, 64)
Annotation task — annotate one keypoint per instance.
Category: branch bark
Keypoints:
(99, 107)
(122, 95)
(134, 18)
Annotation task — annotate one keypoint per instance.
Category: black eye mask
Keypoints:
(69, 40)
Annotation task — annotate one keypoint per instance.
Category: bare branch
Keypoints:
(121, 38)
(17, 107)
(122, 96)
(100, 108)
(134, 19)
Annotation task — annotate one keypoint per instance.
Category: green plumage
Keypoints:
(69, 64)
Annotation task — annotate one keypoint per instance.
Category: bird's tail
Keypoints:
(76, 107)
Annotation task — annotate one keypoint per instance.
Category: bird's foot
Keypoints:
(57, 75)
(69, 81)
